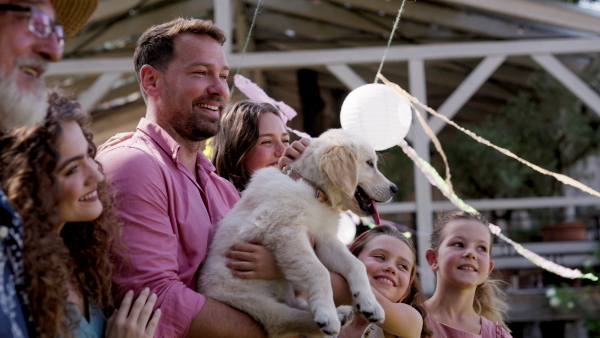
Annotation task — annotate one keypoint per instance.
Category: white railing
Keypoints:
(571, 254)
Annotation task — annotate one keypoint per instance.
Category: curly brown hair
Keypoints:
(415, 297)
(238, 135)
(80, 252)
(489, 300)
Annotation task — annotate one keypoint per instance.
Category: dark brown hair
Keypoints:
(81, 251)
(415, 296)
(489, 297)
(156, 46)
(238, 135)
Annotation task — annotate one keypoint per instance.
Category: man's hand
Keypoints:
(252, 261)
(292, 152)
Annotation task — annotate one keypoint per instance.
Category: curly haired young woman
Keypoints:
(50, 176)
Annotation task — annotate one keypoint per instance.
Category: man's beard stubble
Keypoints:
(202, 127)
(17, 107)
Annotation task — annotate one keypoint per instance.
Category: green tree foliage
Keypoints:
(547, 126)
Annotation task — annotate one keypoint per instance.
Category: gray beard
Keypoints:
(18, 108)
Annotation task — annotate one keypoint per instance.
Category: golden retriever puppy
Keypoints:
(337, 172)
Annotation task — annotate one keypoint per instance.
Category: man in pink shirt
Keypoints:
(167, 193)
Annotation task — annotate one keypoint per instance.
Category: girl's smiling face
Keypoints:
(389, 263)
(271, 143)
(463, 258)
(78, 176)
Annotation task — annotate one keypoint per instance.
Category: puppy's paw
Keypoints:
(328, 322)
(345, 314)
(368, 307)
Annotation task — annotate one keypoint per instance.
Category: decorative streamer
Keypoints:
(560, 177)
(436, 143)
(436, 180)
(254, 92)
(396, 22)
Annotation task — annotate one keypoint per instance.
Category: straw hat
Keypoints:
(73, 14)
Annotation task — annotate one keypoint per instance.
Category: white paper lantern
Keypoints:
(378, 114)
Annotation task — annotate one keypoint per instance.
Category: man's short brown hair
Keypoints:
(156, 47)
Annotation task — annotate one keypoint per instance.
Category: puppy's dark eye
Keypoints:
(370, 163)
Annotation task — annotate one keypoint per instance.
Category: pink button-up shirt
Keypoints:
(169, 220)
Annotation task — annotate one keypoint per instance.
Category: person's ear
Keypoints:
(491, 267)
(432, 259)
(150, 80)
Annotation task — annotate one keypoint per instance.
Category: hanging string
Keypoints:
(245, 46)
(396, 22)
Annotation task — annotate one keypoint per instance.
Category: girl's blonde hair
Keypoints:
(489, 300)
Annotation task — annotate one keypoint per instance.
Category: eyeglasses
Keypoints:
(40, 23)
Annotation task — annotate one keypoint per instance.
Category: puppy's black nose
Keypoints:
(393, 188)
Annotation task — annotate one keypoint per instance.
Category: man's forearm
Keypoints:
(216, 319)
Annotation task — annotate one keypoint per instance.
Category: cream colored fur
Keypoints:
(283, 214)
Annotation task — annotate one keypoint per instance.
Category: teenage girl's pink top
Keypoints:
(488, 330)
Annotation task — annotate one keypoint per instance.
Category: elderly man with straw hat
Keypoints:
(32, 34)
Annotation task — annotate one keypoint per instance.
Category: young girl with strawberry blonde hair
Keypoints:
(390, 261)
(466, 303)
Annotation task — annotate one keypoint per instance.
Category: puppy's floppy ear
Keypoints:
(341, 166)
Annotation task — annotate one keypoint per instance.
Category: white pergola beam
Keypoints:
(97, 90)
(466, 90)
(496, 204)
(323, 11)
(427, 52)
(223, 20)
(448, 17)
(570, 80)
(347, 75)
(91, 66)
(294, 59)
(520, 262)
(548, 12)
(417, 84)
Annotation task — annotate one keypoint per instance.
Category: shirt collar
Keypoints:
(169, 145)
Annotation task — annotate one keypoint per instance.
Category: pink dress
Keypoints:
(488, 330)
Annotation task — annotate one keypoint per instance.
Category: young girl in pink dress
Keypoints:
(466, 303)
